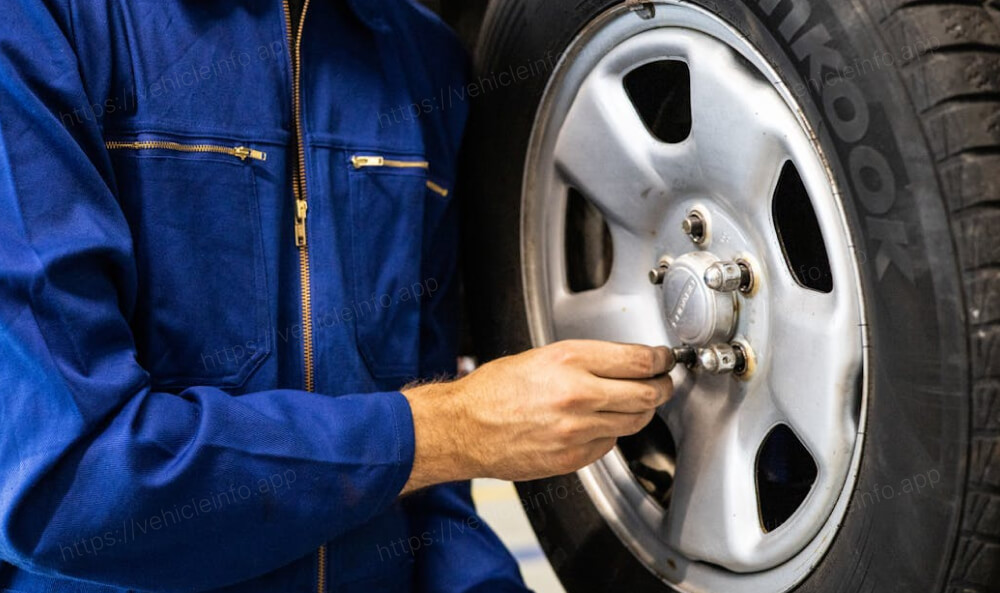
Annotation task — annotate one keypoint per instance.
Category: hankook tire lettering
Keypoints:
(878, 197)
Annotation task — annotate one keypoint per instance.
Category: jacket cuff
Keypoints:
(402, 423)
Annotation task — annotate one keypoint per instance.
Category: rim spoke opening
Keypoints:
(785, 474)
(589, 248)
(661, 93)
(799, 233)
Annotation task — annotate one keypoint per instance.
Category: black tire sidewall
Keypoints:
(918, 408)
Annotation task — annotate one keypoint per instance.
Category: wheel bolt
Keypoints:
(729, 277)
(659, 273)
(694, 226)
(744, 359)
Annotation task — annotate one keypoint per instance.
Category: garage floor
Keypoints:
(500, 506)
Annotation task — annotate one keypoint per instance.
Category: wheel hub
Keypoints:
(696, 315)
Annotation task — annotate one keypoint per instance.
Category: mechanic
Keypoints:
(220, 275)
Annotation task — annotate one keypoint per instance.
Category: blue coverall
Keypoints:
(212, 288)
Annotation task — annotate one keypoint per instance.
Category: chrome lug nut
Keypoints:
(720, 359)
(729, 277)
(695, 226)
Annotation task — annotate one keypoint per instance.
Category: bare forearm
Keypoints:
(438, 425)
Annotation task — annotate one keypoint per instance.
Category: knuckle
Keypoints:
(639, 421)
(564, 354)
(668, 388)
(649, 395)
(566, 461)
(566, 431)
(600, 449)
(573, 393)
(604, 399)
(581, 458)
(565, 398)
(597, 451)
(644, 360)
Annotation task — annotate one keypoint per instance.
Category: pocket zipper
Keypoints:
(361, 162)
(240, 152)
(441, 191)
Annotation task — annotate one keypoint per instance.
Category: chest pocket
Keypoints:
(388, 206)
(201, 316)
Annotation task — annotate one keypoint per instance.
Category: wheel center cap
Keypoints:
(695, 314)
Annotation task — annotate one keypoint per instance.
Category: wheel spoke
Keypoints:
(738, 124)
(813, 365)
(605, 151)
(713, 514)
(604, 314)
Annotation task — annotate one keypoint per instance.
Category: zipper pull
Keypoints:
(243, 153)
(367, 161)
(301, 209)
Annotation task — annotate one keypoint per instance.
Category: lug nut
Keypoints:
(720, 359)
(729, 277)
(659, 273)
(694, 226)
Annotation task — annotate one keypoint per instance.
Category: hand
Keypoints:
(544, 412)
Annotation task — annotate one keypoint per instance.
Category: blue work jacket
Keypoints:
(211, 290)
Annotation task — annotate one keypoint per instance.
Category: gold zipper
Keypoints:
(361, 162)
(437, 189)
(241, 152)
(299, 190)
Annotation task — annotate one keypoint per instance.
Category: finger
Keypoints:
(613, 425)
(613, 360)
(623, 425)
(597, 449)
(583, 455)
(634, 396)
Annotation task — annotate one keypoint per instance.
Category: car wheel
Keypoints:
(806, 196)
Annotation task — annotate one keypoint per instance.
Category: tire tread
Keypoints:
(955, 87)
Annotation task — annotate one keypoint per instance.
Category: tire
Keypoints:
(464, 16)
(930, 278)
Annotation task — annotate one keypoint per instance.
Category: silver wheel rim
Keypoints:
(809, 346)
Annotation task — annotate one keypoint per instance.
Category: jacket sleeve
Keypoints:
(102, 479)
